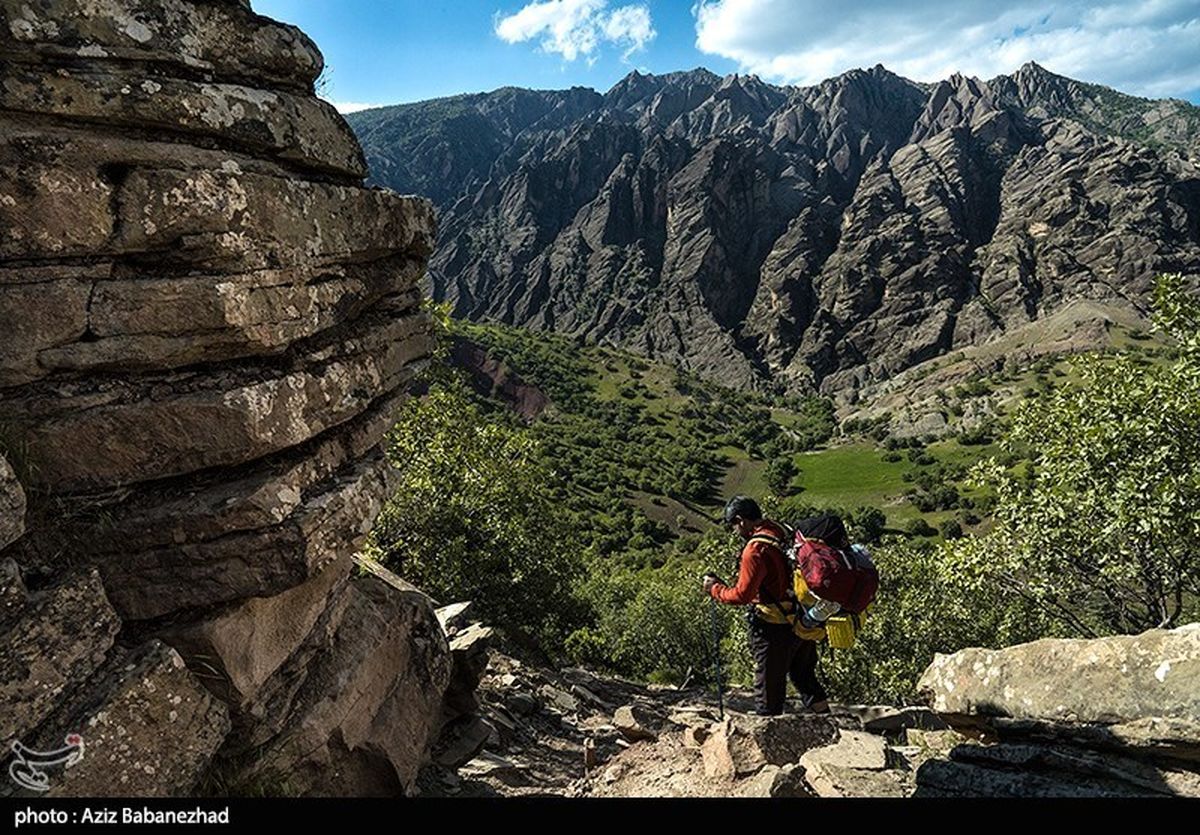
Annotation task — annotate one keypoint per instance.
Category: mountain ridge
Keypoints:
(821, 237)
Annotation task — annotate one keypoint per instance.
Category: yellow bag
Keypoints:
(843, 629)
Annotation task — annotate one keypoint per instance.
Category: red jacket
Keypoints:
(761, 567)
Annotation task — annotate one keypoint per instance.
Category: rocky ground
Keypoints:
(574, 733)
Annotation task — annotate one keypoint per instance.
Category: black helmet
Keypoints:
(744, 507)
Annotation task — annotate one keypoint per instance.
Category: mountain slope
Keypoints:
(828, 236)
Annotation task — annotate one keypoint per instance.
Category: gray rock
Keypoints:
(944, 778)
(1154, 737)
(1105, 680)
(522, 704)
(1085, 766)
(135, 702)
(883, 719)
(12, 502)
(57, 639)
(494, 767)
(240, 648)
(560, 700)
(853, 749)
(469, 658)
(461, 741)
(370, 707)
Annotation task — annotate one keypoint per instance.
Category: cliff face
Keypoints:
(831, 235)
(206, 323)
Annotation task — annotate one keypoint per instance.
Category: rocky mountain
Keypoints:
(828, 236)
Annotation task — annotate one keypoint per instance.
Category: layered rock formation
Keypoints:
(206, 324)
(825, 236)
(1108, 717)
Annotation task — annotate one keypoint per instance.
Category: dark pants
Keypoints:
(780, 654)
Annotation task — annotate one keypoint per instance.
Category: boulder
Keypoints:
(1150, 738)
(853, 749)
(52, 644)
(742, 745)
(237, 649)
(1088, 769)
(149, 728)
(828, 779)
(1108, 680)
(947, 778)
(854, 766)
(369, 707)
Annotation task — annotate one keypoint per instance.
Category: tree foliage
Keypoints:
(471, 517)
(1102, 529)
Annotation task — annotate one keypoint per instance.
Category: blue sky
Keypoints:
(391, 51)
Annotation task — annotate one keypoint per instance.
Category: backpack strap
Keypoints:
(778, 544)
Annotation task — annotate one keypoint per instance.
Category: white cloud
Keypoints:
(574, 28)
(1148, 47)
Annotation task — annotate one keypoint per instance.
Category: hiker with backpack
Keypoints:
(804, 584)
(765, 582)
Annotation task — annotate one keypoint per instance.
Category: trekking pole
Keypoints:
(712, 612)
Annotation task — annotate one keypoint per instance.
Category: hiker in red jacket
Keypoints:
(764, 584)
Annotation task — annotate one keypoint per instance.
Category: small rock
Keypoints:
(590, 697)
(635, 722)
(590, 759)
(522, 704)
(854, 749)
(693, 737)
(461, 741)
(885, 720)
(456, 617)
(495, 767)
(559, 699)
(775, 781)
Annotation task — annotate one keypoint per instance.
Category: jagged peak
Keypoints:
(1033, 68)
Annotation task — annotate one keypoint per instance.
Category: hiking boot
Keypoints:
(819, 707)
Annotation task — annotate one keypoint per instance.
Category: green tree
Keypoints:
(923, 607)
(471, 517)
(867, 524)
(779, 474)
(1103, 528)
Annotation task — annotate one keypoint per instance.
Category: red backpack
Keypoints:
(847, 577)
